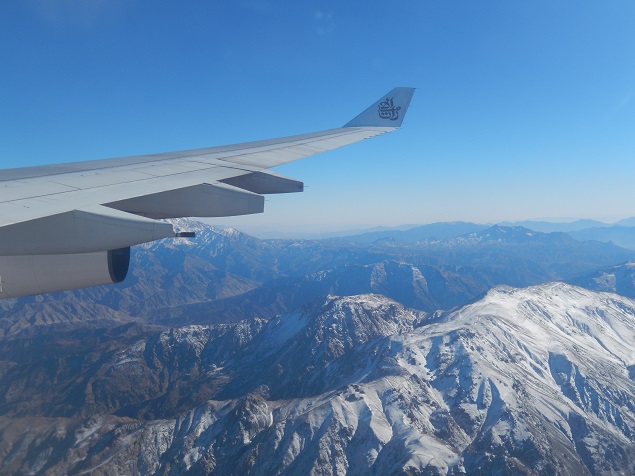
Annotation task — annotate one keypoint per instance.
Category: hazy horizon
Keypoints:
(326, 230)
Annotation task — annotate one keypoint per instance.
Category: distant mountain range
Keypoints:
(621, 233)
(434, 231)
(564, 227)
(224, 275)
(524, 381)
(378, 232)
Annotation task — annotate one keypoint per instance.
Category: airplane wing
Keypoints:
(71, 225)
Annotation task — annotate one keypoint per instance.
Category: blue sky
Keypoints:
(524, 109)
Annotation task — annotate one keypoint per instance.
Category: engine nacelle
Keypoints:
(39, 274)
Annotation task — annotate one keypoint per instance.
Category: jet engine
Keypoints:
(39, 274)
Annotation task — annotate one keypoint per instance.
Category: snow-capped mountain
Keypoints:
(538, 380)
(506, 235)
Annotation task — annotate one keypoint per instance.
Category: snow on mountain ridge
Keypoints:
(562, 353)
(591, 318)
(499, 235)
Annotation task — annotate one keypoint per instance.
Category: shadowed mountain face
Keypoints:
(524, 381)
(615, 279)
(421, 287)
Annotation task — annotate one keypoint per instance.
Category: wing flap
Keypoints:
(203, 200)
(80, 231)
(265, 183)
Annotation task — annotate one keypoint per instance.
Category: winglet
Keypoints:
(388, 111)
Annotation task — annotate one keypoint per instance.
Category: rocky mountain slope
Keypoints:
(421, 287)
(539, 380)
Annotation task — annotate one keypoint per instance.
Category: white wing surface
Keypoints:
(57, 217)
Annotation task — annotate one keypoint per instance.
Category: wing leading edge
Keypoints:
(88, 208)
